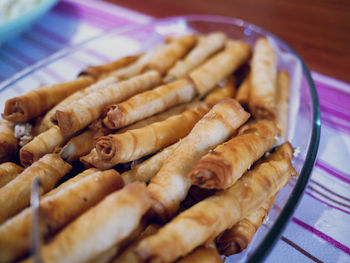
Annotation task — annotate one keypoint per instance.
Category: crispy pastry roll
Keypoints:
(170, 185)
(263, 76)
(163, 115)
(220, 66)
(146, 170)
(222, 167)
(8, 141)
(78, 146)
(283, 83)
(169, 53)
(237, 238)
(134, 144)
(208, 218)
(50, 117)
(101, 227)
(34, 103)
(227, 90)
(82, 112)
(128, 254)
(57, 210)
(203, 254)
(15, 195)
(101, 70)
(9, 171)
(242, 95)
(148, 103)
(45, 142)
(93, 160)
(205, 47)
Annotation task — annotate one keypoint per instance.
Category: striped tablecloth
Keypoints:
(319, 230)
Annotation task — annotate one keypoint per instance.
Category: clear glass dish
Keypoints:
(303, 132)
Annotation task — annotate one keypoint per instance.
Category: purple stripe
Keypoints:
(334, 124)
(333, 171)
(322, 235)
(322, 85)
(327, 204)
(333, 112)
(95, 54)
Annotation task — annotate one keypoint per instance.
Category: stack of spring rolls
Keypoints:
(179, 149)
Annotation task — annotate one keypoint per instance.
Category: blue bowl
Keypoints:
(14, 27)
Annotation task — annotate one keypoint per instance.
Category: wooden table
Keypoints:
(319, 30)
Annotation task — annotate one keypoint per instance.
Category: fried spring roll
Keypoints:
(263, 76)
(34, 103)
(57, 210)
(169, 53)
(242, 95)
(146, 170)
(220, 66)
(9, 171)
(222, 167)
(134, 144)
(283, 83)
(78, 146)
(84, 111)
(101, 227)
(15, 195)
(207, 219)
(148, 103)
(227, 90)
(45, 142)
(50, 118)
(100, 70)
(128, 255)
(170, 185)
(162, 116)
(8, 141)
(93, 160)
(203, 254)
(237, 238)
(205, 47)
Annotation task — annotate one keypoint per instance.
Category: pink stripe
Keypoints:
(335, 113)
(335, 125)
(322, 235)
(333, 171)
(321, 85)
(326, 203)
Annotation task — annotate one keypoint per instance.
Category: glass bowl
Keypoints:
(304, 115)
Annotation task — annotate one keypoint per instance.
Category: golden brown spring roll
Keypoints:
(78, 146)
(207, 219)
(203, 254)
(101, 227)
(282, 104)
(220, 66)
(148, 103)
(45, 142)
(134, 144)
(162, 116)
(34, 103)
(84, 111)
(169, 53)
(227, 90)
(93, 160)
(170, 185)
(263, 77)
(50, 118)
(146, 170)
(15, 195)
(8, 141)
(128, 254)
(222, 167)
(9, 171)
(205, 47)
(100, 70)
(242, 95)
(57, 210)
(237, 238)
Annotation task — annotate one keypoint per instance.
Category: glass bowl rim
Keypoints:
(271, 237)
